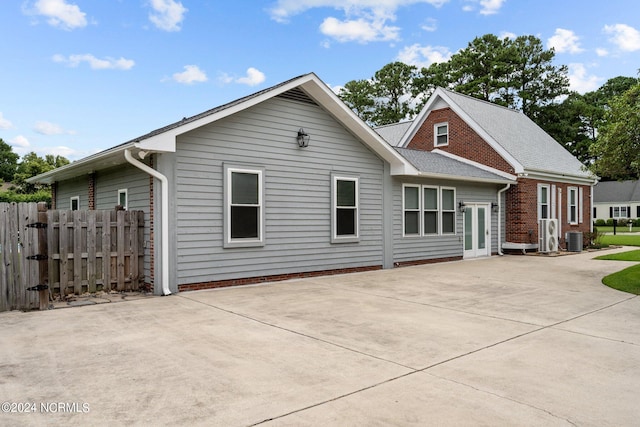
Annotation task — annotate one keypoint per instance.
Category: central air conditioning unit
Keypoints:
(548, 235)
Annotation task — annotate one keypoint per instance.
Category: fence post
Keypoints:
(43, 264)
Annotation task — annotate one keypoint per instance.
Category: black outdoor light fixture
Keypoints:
(461, 206)
(303, 138)
(494, 206)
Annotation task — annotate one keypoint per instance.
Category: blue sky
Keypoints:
(80, 76)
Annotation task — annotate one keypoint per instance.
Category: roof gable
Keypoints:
(305, 88)
(515, 137)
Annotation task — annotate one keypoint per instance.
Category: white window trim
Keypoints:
(243, 243)
(404, 209)
(572, 221)
(620, 208)
(334, 206)
(435, 134)
(126, 198)
(580, 203)
(540, 204)
(71, 200)
(439, 211)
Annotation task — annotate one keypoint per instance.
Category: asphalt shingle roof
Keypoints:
(529, 144)
(616, 191)
(393, 133)
(436, 163)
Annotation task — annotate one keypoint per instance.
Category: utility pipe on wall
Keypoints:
(164, 209)
(500, 219)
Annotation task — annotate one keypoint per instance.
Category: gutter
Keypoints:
(164, 209)
(499, 218)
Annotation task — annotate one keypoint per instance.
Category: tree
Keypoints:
(392, 90)
(617, 148)
(8, 162)
(514, 73)
(358, 95)
(384, 99)
(32, 165)
(533, 82)
(575, 121)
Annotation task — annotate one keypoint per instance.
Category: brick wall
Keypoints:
(463, 140)
(522, 210)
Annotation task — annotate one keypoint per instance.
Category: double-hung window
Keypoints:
(74, 203)
(448, 196)
(412, 210)
(543, 201)
(572, 205)
(244, 223)
(345, 211)
(620, 212)
(123, 198)
(428, 210)
(430, 213)
(440, 134)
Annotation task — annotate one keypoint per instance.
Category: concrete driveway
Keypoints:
(514, 340)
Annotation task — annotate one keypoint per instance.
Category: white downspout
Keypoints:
(500, 218)
(164, 209)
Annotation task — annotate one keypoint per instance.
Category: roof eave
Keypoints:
(466, 178)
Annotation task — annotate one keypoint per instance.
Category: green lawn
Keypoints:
(619, 229)
(621, 239)
(627, 280)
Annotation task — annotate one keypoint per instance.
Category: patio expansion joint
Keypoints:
(502, 397)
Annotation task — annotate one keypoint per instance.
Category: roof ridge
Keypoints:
(473, 98)
(393, 124)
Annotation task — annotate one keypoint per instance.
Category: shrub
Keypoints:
(609, 222)
(600, 223)
(13, 197)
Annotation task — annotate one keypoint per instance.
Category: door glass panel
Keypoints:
(482, 228)
(468, 229)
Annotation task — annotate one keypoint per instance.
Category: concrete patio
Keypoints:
(514, 340)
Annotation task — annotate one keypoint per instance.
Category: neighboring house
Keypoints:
(617, 200)
(551, 182)
(289, 182)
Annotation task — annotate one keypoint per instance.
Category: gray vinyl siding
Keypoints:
(71, 188)
(410, 248)
(107, 184)
(297, 186)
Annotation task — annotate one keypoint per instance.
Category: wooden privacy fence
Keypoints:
(68, 252)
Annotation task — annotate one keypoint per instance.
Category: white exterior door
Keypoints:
(477, 230)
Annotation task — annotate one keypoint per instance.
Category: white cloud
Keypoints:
(564, 41)
(191, 74)
(167, 15)
(48, 128)
(429, 25)
(507, 35)
(4, 123)
(487, 7)
(364, 20)
(20, 145)
(95, 63)
(626, 38)
(602, 52)
(423, 56)
(360, 30)
(580, 80)
(253, 78)
(60, 14)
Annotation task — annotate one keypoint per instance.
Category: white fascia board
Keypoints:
(322, 94)
(87, 165)
(565, 178)
(465, 178)
(476, 164)
(422, 116)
